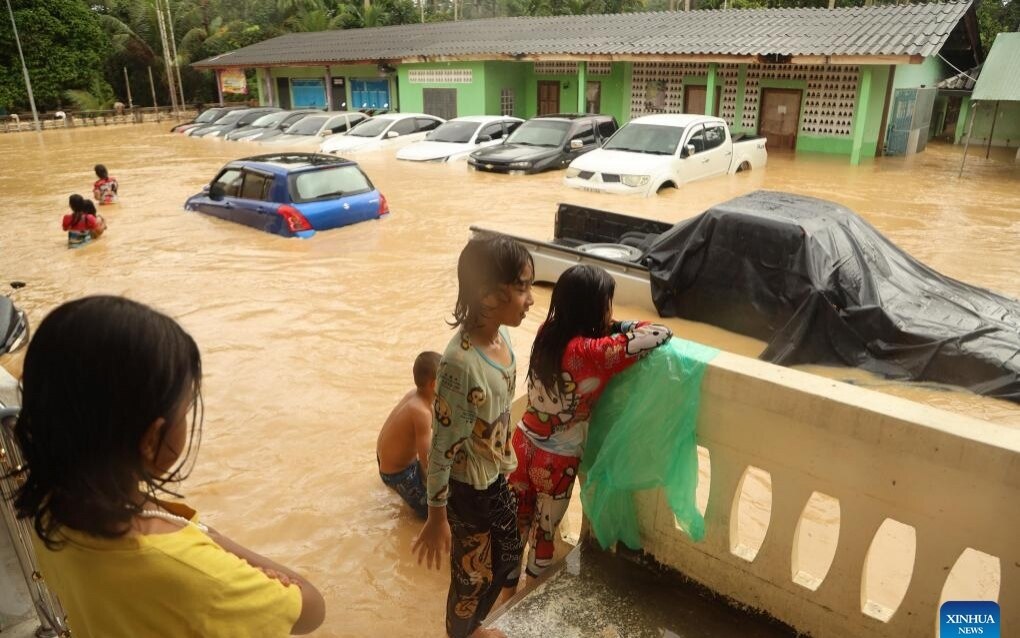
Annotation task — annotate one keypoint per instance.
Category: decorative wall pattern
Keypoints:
(728, 75)
(440, 76)
(555, 68)
(658, 87)
(829, 100)
(600, 68)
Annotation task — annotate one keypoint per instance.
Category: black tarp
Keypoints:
(821, 285)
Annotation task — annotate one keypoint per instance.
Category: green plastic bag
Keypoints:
(642, 436)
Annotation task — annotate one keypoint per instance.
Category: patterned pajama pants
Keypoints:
(542, 482)
(486, 551)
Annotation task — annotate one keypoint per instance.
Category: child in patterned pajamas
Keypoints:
(470, 504)
(576, 352)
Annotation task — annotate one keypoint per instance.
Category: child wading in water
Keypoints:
(105, 188)
(82, 224)
(123, 562)
(402, 449)
(576, 352)
(471, 453)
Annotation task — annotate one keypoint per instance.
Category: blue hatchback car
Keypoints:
(291, 194)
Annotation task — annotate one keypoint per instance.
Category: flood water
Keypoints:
(308, 344)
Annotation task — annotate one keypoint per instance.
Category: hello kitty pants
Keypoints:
(542, 482)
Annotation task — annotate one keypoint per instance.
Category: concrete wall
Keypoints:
(1007, 124)
(912, 76)
(471, 97)
(826, 499)
(505, 75)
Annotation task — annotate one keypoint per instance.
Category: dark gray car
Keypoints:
(281, 128)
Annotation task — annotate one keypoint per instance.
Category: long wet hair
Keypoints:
(98, 372)
(77, 205)
(578, 308)
(485, 264)
(101, 171)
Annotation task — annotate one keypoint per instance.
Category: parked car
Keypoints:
(282, 127)
(229, 124)
(205, 118)
(660, 151)
(230, 117)
(391, 130)
(258, 126)
(457, 138)
(291, 194)
(311, 129)
(545, 142)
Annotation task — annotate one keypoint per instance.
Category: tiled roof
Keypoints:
(1000, 75)
(963, 81)
(885, 30)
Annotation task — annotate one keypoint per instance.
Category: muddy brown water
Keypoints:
(307, 344)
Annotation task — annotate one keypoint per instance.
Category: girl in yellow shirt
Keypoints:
(111, 417)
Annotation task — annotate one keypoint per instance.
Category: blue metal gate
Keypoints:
(308, 94)
(370, 94)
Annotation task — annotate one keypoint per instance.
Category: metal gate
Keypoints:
(440, 102)
(909, 121)
(308, 94)
(370, 94)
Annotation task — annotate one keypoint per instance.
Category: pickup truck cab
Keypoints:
(668, 150)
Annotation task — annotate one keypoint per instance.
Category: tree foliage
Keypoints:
(76, 42)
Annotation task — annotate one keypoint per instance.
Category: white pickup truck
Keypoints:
(658, 151)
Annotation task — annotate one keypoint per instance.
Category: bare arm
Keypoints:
(313, 607)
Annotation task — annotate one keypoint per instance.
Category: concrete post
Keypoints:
(582, 87)
(219, 85)
(710, 89)
(861, 115)
(329, 89)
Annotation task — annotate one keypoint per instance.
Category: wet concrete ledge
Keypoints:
(596, 594)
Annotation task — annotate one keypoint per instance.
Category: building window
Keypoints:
(440, 76)
(506, 102)
(555, 68)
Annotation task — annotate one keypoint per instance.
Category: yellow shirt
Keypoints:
(178, 585)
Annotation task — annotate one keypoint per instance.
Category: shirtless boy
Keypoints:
(403, 446)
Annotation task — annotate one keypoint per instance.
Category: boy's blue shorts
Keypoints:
(409, 483)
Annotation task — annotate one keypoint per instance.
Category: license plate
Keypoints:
(591, 189)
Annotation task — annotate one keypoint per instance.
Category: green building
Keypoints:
(812, 80)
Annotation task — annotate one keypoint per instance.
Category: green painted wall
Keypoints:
(614, 98)
(961, 124)
(1007, 124)
(470, 97)
(615, 91)
(568, 91)
(505, 75)
(912, 76)
(873, 115)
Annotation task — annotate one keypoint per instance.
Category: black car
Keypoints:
(206, 117)
(544, 143)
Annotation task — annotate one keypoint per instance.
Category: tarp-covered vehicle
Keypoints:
(809, 277)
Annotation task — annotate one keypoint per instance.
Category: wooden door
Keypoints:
(779, 118)
(694, 99)
(548, 97)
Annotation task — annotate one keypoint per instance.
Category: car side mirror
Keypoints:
(205, 189)
(391, 134)
(484, 138)
(689, 150)
(326, 133)
(576, 144)
(216, 192)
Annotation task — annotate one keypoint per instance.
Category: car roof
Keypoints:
(675, 119)
(287, 163)
(573, 116)
(400, 116)
(485, 118)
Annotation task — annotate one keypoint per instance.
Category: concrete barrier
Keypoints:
(844, 512)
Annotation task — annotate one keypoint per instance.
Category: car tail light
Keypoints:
(384, 206)
(296, 222)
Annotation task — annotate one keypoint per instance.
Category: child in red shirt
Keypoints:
(576, 352)
(82, 224)
(105, 188)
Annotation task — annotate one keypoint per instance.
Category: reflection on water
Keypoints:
(307, 344)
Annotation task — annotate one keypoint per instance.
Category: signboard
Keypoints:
(338, 81)
(233, 81)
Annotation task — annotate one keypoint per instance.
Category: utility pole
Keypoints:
(173, 48)
(152, 86)
(127, 84)
(161, 23)
(24, 69)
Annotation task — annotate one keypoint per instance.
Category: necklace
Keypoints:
(172, 518)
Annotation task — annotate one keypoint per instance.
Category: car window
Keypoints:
(256, 186)
(512, 126)
(230, 180)
(328, 182)
(606, 129)
(495, 131)
(586, 134)
(426, 123)
(697, 138)
(403, 127)
(309, 125)
(714, 136)
(338, 124)
(371, 127)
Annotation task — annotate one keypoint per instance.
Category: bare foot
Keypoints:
(487, 633)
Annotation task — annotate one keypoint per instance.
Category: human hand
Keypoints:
(433, 541)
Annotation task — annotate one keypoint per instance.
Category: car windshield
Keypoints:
(291, 119)
(207, 116)
(308, 126)
(270, 119)
(371, 127)
(540, 133)
(457, 132)
(250, 117)
(324, 183)
(653, 139)
(231, 117)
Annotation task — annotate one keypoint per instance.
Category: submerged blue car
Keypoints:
(291, 194)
